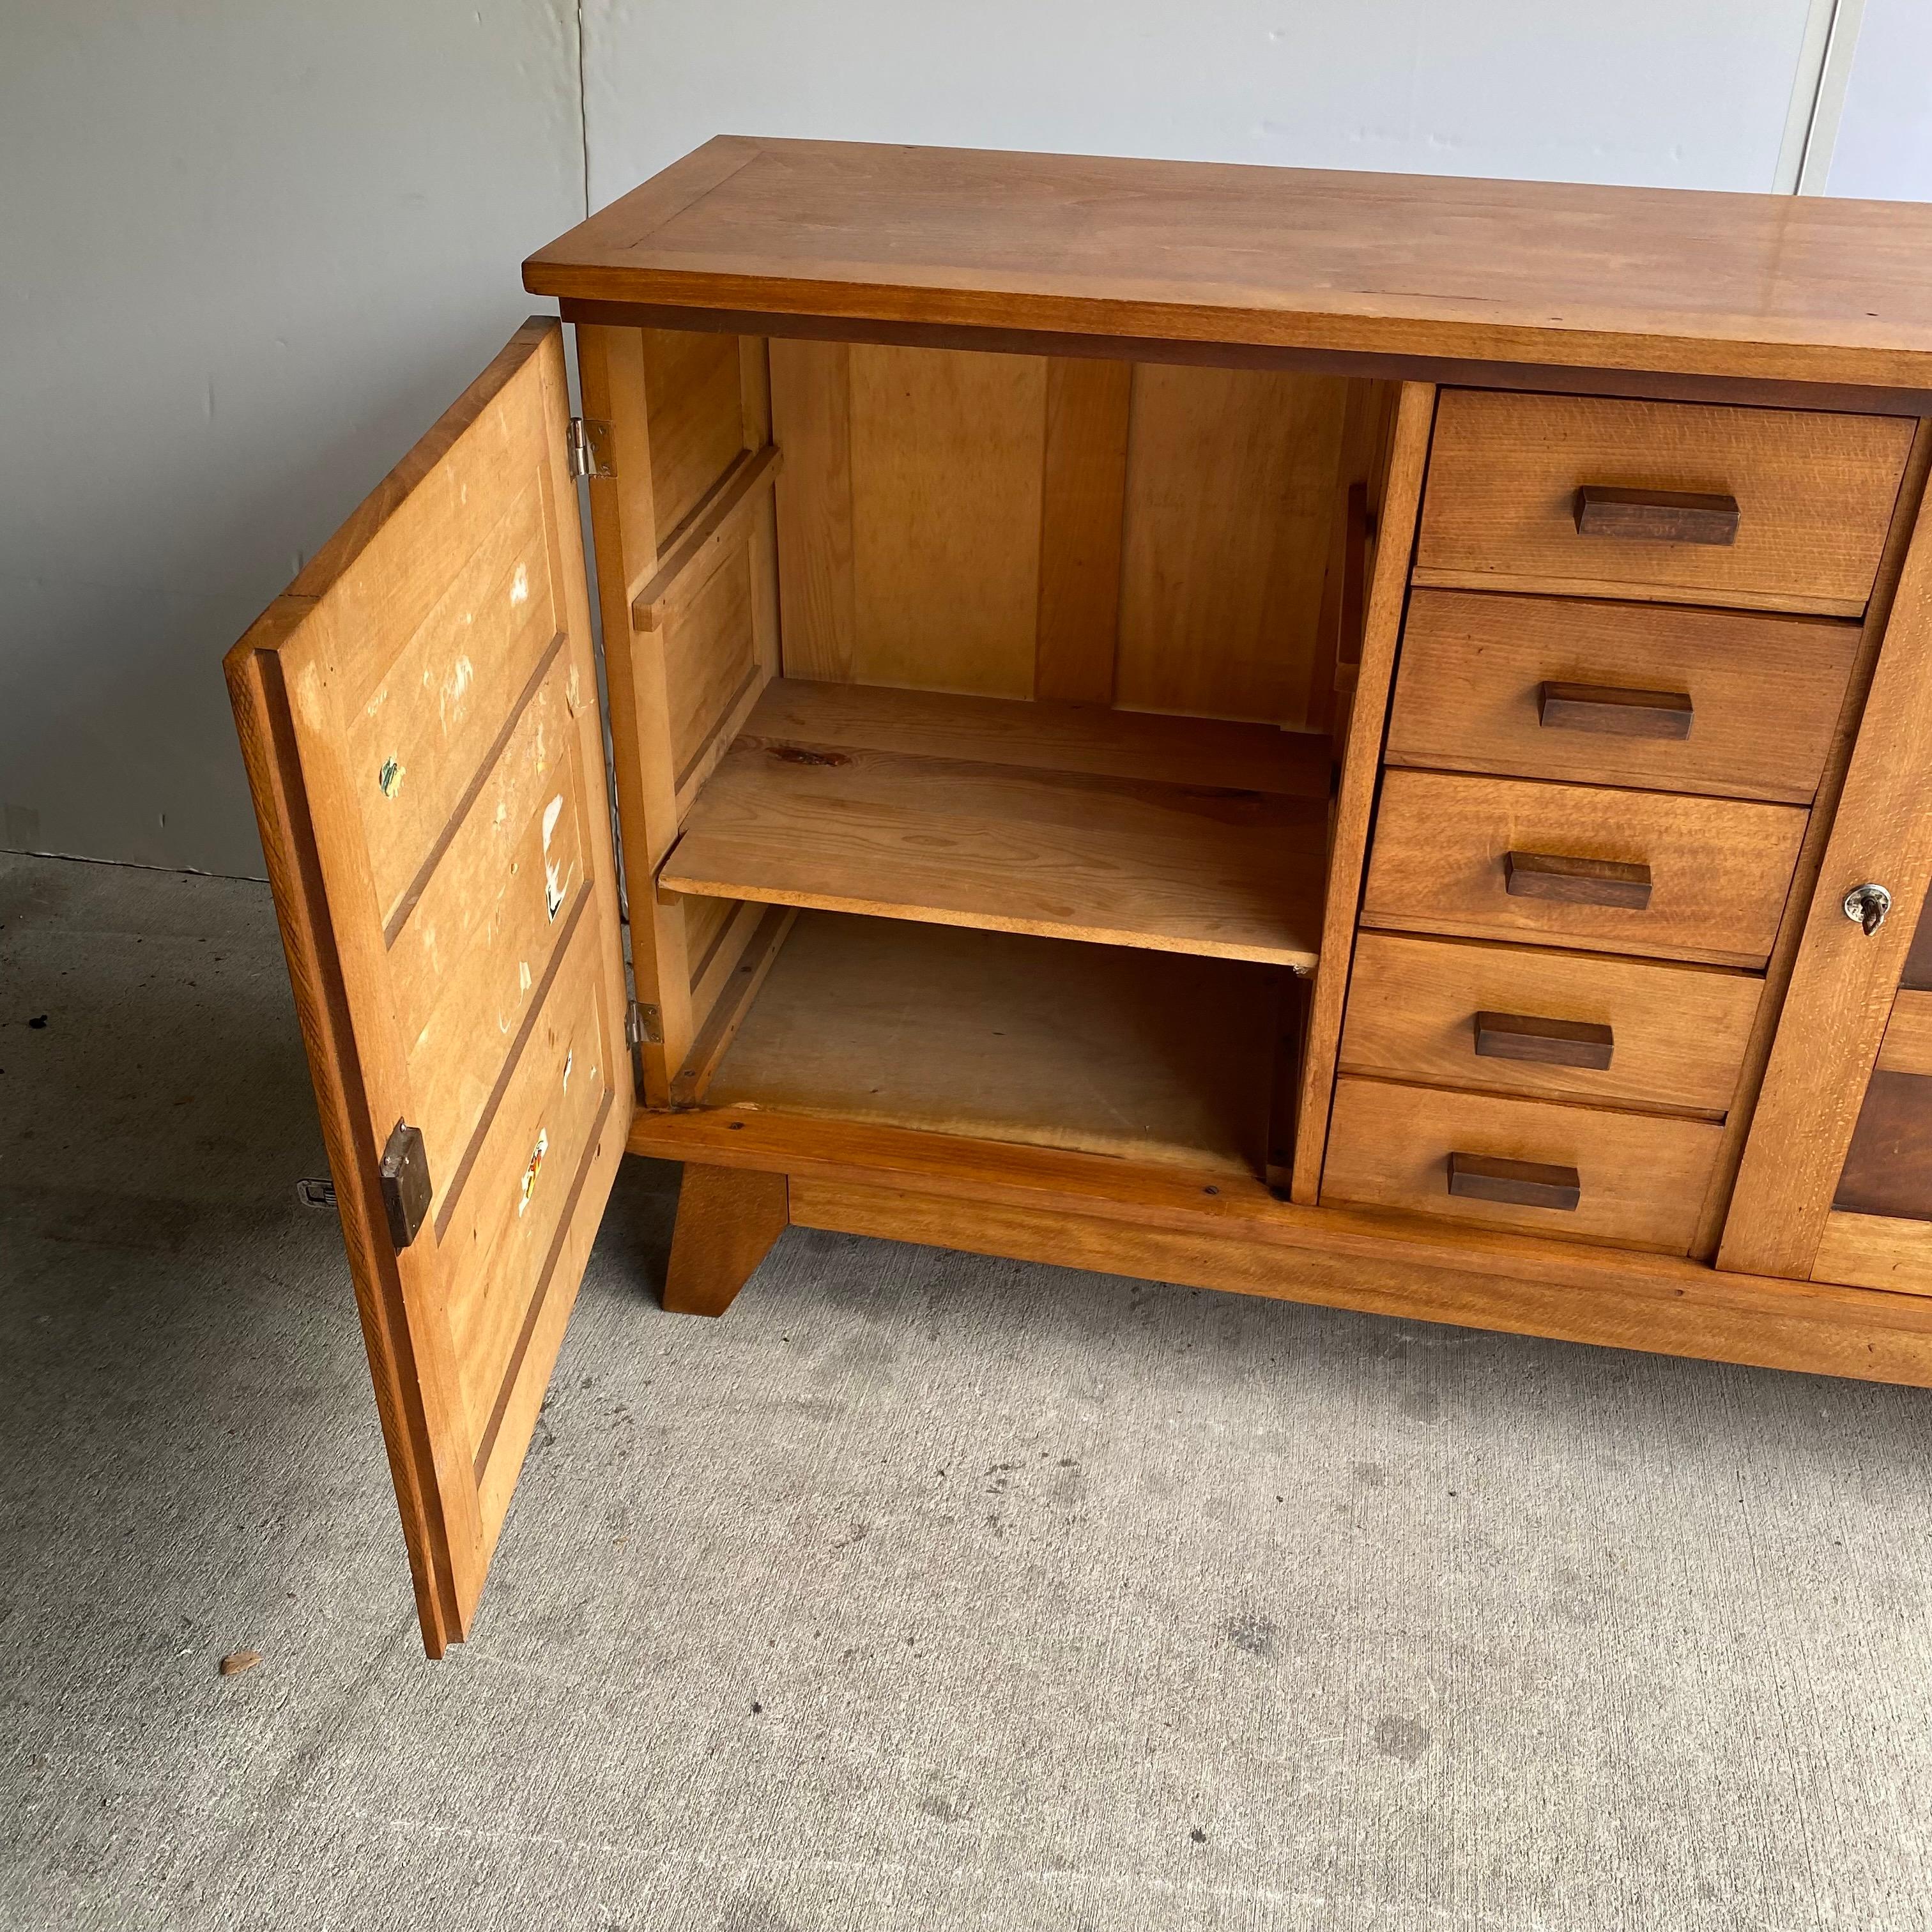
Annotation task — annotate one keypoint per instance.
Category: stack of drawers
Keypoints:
(1630, 631)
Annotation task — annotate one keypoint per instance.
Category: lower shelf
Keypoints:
(1173, 834)
(1148, 1057)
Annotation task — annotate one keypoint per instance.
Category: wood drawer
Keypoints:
(1447, 851)
(1441, 1011)
(1640, 1178)
(1814, 495)
(1738, 705)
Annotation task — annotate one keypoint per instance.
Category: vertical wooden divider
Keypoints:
(1331, 665)
(623, 520)
(1361, 763)
(1083, 507)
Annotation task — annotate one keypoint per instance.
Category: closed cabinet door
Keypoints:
(418, 714)
(1835, 1184)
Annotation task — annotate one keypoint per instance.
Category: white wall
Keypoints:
(1884, 146)
(251, 250)
(1680, 93)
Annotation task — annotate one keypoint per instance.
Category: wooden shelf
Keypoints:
(1177, 834)
(1142, 1056)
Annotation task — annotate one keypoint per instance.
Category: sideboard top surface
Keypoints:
(1772, 287)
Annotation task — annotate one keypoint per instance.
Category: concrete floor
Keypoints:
(922, 1591)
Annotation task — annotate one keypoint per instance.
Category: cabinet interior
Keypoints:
(976, 720)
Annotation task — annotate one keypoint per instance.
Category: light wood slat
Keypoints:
(1816, 492)
(443, 700)
(1043, 737)
(1842, 982)
(1361, 766)
(1642, 1176)
(947, 455)
(1875, 1251)
(1177, 867)
(499, 966)
(1679, 1032)
(811, 420)
(715, 525)
(499, 1456)
(711, 659)
(1765, 692)
(1907, 1045)
(1138, 1056)
(1230, 486)
(754, 391)
(1083, 507)
(540, 1137)
(1720, 868)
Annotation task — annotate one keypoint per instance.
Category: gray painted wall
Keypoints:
(251, 251)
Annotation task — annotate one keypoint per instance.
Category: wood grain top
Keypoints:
(1773, 287)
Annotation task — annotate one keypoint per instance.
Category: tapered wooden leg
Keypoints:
(727, 1219)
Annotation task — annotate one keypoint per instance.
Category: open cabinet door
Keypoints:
(419, 712)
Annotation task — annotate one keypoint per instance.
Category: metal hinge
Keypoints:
(645, 1023)
(590, 448)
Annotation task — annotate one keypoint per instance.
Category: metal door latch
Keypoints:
(404, 1175)
(1867, 905)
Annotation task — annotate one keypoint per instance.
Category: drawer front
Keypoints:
(1585, 1174)
(1813, 492)
(1562, 1026)
(1643, 695)
(1646, 873)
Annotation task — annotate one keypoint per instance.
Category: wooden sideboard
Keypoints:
(1347, 737)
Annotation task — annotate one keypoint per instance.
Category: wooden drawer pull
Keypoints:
(1549, 1042)
(1604, 882)
(1656, 516)
(1517, 1183)
(1617, 713)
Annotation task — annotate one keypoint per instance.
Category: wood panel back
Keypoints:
(1007, 526)
(1641, 1177)
(1815, 494)
(1678, 1032)
(1231, 493)
(1719, 868)
(948, 451)
(1764, 692)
